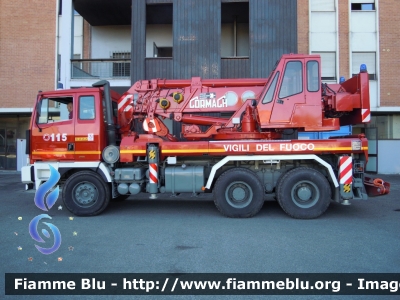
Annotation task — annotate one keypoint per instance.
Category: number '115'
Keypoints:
(58, 137)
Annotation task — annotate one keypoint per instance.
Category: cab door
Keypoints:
(290, 92)
(52, 128)
(89, 125)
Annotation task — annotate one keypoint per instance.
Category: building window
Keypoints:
(322, 5)
(122, 68)
(161, 51)
(8, 146)
(388, 126)
(323, 35)
(159, 36)
(235, 29)
(367, 58)
(328, 65)
(363, 6)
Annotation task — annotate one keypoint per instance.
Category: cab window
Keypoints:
(86, 108)
(50, 110)
(313, 76)
(292, 82)
(268, 96)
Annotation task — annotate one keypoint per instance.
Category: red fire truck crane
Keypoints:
(238, 141)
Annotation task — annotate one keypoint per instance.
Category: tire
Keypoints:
(304, 193)
(238, 193)
(280, 179)
(86, 194)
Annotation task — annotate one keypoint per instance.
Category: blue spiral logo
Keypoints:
(40, 201)
(35, 235)
(44, 188)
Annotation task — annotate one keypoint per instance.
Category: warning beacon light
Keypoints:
(363, 68)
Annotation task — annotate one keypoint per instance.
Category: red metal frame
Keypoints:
(132, 147)
(248, 118)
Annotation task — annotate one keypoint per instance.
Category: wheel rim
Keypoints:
(85, 194)
(305, 194)
(239, 194)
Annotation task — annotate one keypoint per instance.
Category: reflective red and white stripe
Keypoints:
(345, 170)
(125, 103)
(365, 115)
(150, 125)
(153, 175)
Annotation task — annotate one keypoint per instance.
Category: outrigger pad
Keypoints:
(376, 186)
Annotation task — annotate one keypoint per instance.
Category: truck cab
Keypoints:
(293, 95)
(70, 125)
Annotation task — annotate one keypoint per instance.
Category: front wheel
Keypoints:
(304, 193)
(238, 193)
(86, 194)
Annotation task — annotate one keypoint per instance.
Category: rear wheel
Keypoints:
(238, 193)
(86, 194)
(304, 193)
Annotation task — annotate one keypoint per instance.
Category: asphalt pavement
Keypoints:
(188, 235)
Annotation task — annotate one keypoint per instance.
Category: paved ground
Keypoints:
(174, 236)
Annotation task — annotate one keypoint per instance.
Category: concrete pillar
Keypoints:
(66, 42)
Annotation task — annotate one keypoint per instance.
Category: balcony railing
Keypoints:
(100, 68)
(161, 67)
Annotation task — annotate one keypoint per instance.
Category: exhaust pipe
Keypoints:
(109, 116)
